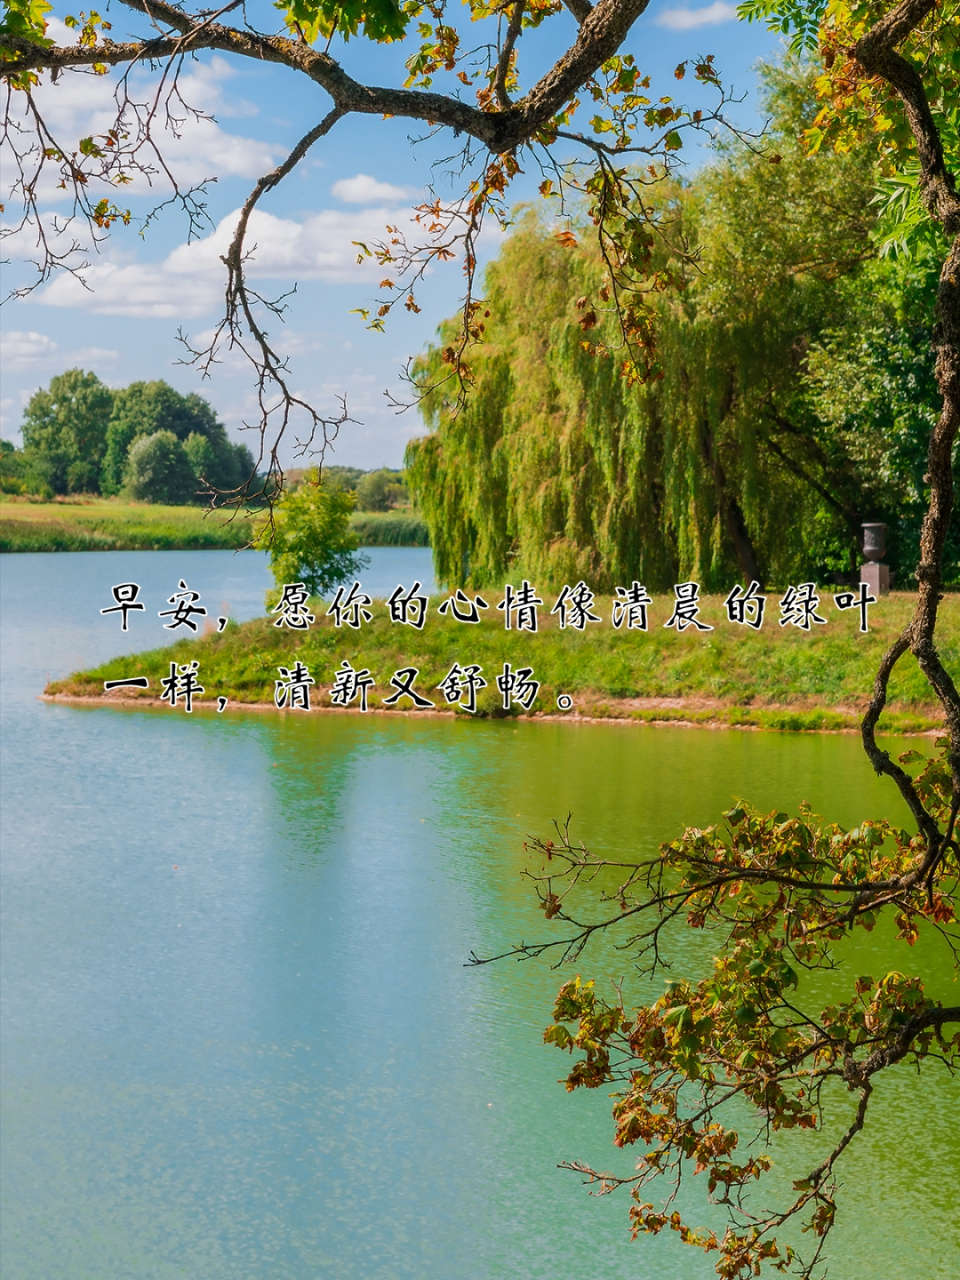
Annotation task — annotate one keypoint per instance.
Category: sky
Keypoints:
(144, 287)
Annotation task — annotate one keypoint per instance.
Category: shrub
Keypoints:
(380, 490)
(158, 470)
(309, 539)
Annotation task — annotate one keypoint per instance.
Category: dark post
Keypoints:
(873, 573)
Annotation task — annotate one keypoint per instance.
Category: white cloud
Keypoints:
(362, 189)
(689, 19)
(138, 290)
(26, 350)
(81, 105)
(189, 282)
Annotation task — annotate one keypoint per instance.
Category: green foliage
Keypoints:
(110, 525)
(158, 470)
(548, 468)
(141, 409)
(381, 20)
(26, 20)
(732, 464)
(905, 226)
(779, 895)
(380, 490)
(78, 435)
(389, 529)
(871, 386)
(345, 477)
(12, 468)
(200, 454)
(798, 19)
(144, 408)
(65, 432)
(309, 538)
(857, 106)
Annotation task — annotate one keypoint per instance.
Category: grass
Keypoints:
(389, 529)
(781, 678)
(110, 524)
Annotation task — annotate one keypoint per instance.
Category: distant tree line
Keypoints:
(383, 489)
(146, 441)
(794, 399)
(152, 444)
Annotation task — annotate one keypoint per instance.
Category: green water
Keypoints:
(271, 1062)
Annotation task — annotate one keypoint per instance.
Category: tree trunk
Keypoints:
(730, 510)
(876, 53)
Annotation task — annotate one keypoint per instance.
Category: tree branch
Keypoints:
(876, 53)
(600, 35)
(581, 9)
(506, 53)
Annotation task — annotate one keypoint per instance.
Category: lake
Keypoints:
(239, 1039)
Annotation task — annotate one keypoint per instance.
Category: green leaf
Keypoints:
(381, 20)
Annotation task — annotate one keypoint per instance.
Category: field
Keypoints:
(109, 524)
(779, 678)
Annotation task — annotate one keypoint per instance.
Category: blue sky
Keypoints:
(366, 173)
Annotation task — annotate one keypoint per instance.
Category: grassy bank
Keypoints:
(389, 529)
(781, 678)
(109, 524)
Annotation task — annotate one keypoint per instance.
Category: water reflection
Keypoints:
(239, 1037)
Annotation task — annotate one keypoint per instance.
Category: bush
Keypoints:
(158, 470)
(380, 490)
(389, 529)
(310, 539)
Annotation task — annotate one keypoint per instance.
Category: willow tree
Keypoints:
(550, 468)
(778, 891)
(781, 895)
(734, 460)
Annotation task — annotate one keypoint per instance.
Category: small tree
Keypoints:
(158, 470)
(309, 538)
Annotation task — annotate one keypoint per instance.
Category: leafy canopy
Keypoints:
(309, 540)
(380, 20)
(158, 470)
(859, 105)
(64, 432)
(795, 397)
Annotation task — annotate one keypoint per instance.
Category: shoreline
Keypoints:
(721, 678)
(134, 702)
(28, 526)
